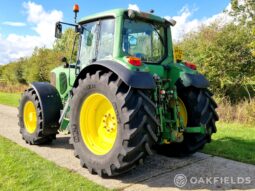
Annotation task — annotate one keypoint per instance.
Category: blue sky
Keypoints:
(27, 21)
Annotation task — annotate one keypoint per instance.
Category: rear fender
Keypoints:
(51, 104)
(134, 79)
(195, 80)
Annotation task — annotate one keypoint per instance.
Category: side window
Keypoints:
(88, 43)
(106, 41)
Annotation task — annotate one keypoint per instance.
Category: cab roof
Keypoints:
(119, 12)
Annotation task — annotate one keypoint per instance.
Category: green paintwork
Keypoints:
(201, 130)
(171, 124)
(64, 124)
(70, 73)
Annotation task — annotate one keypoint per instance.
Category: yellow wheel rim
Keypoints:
(183, 112)
(98, 124)
(29, 116)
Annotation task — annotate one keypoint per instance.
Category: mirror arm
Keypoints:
(70, 24)
(74, 25)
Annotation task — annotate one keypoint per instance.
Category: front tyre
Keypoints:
(112, 125)
(31, 119)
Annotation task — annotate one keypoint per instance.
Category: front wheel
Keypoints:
(112, 125)
(31, 119)
(197, 108)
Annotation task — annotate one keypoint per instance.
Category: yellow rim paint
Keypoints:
(183, 112)
(29, 117)
(98, 124)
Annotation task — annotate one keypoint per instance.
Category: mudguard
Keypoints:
(195, 80)
(51, 105)
(135, 79)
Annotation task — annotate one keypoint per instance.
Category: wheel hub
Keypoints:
(29, 117)
(109, 122)
(98, 124)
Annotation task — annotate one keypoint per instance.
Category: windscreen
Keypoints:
(144, 40)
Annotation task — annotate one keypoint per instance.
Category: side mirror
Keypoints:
(78, 29)
(58, 30)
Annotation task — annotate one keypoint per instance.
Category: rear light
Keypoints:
(190, 65)
(162, 92)
(134, 61)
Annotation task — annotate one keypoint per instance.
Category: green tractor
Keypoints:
(123, 98)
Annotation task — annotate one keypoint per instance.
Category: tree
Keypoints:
(243, 12)
(1, 72)
(65, 44)
(43, 60)
(223, 55)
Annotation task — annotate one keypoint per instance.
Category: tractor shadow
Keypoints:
(61, 142)
(159, 171)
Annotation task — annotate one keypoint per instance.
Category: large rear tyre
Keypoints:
(113, 126)
(31, 119)
(200, 108)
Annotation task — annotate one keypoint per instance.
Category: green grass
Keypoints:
(22, 169)
(11, 99)
(233, 141)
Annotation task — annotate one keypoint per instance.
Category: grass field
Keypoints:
(21, 169)
(233, 141)
(11, 99)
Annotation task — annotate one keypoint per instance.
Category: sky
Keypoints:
(25, 25)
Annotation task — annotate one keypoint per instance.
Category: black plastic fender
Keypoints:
(51, 103)
(135, 79)
(196, 80)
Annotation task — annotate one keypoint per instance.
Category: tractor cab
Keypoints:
(137, 41)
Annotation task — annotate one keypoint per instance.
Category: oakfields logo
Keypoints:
(180, 180)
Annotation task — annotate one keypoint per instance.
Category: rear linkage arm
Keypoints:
(168, 111)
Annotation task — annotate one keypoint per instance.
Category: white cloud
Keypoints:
(14, 24)
(43, 22)
(185, 24)
(134, 7)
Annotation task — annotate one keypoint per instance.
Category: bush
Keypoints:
(224, 55)
(18, 88)
(242, 112)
